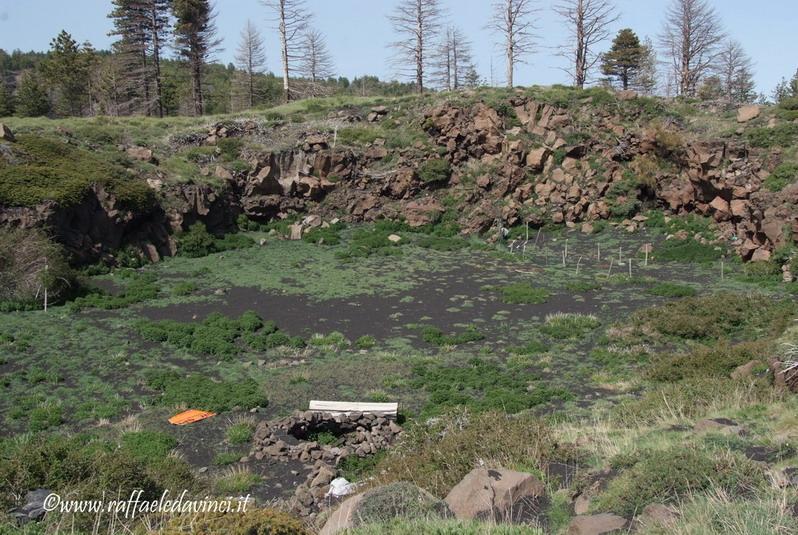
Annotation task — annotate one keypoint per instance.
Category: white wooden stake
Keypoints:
(598, 252)
(538, 236)
(46, 267)
(630, 268)
(609, 271)
(577, 265)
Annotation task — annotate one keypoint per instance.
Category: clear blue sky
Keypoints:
(358, 31)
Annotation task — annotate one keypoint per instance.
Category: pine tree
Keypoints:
(624, 60)
(31, 98)
(251, 59)
(66, 71)
(646, 80)
(195, 42)
(6, 100)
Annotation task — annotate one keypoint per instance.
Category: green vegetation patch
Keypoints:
(48, 169)
(202, 392)
(718, 360)
(563, 326)
(523, 293)
(197, 242)
(148, 445)
(141, 287)
(480, 384)
(782, 176)
(670, 289)
(435, 336)
(689, 250)
(670, 475)
(719, 315)
(435, 171)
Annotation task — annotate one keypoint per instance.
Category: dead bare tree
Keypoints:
(415, 22)
(250, 58)
(317, 64)
(588, 23)
(512, 22)
(452, 60)
(734, 68)
(690, 38)
(291, 19)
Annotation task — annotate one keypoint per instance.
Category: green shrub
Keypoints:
(669, 289)
(398, 500)
(333, 339)
(365, 342)
(201, 392)
(141, 287)
(49, 169)
(433, 335)
(197, 242)
(236, 480)
(184, 288)
(689, 251)
(330, 235)
(373, 241)
(718, 315)
(436, 171)
(440, 453)
(148, 445)
(671, 475)
(523, 293)
(45, 416)
(782, 176)
(240, 432)
(718, 360)
(482, 385)
(569, 325)
(255, 521)
(783, 135)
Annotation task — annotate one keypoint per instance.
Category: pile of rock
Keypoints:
(377, 113)
(292, 439)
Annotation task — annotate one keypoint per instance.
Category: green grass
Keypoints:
(240, 432)
(782, 176)
(48, 169)
(201, 392)
(670, 289)
(689, 251)
(523, 293)
(435, 336)
(236, 481)
(563, 326)
(482, 385)
(148, 445)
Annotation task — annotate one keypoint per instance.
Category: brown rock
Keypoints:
(658, 515)
(537, 158)
(761, 255)
(748, 113)
(722, 211)
(501, 495)
(422, 212)
(342, 518)
(222, 173)
(6, 133)
(325, 475)
(295, 232)
(746, 370)
(739, 208)
(723, 425)
(141, 153)
(596, 524)
(627, 94)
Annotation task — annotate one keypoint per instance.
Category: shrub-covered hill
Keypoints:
(478, 159)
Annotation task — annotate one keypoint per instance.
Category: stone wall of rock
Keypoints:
(292, 439)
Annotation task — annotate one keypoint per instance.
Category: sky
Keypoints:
(358, 32)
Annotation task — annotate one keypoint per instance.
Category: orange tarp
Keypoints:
(190, 416)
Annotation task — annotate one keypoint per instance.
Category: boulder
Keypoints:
(626, 94)
(722, 211)
(536, 159)
(295, 232)
(6, 133)
(745, 370)
(141, 153)
(496, 494)
(422, 212)
(748, 113)
(343, 517)
(596, 524)
(658, 515)
(394, 238)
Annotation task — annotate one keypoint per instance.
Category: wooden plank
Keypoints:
(389, 410)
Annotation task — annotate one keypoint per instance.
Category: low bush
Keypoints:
(523, 293)
(365, 342)
(240, 432)
(719, 315)
(202, 392)
(237, 480)
(482, 385)
(197, 242)
(438, 454)
(783, 135)
(373, 241)
(669, 289)
(148, 445)
(435, 336)
(675, 473)
(717, 360)
(782, 176)
(435, 171)
(141, 287)
(564, 326)
(689, 251)
(330, 235)
(398, 500)
(255, 521)
(331, 340)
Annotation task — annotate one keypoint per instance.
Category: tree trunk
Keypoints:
(419, 51)
(156, 59)
(284, 44)
(196, 68)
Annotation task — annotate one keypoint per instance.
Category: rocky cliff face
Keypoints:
(532, 163)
